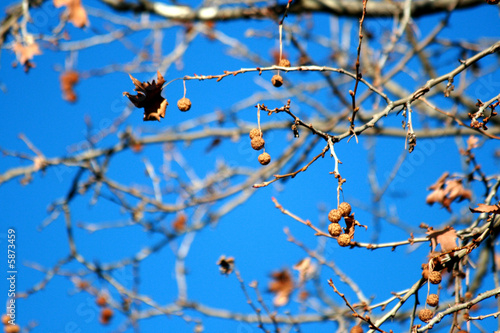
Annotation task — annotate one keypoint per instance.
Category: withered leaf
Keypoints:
(25, 53)
(445, 191)
(76, 13)
(179, 224)
(483, 208)
(306, 269)
(472, 142)
(350, 222)
(455, 190)
(282, 286)
(226, 265)
(446, 237)
(149, 97)
(68, 80)
(437, 195)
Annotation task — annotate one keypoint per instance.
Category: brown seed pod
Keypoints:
(5, 319)
(184, 104)
(334, 229)
(101, 300)
(277, 81)
(257, 143)
(284, 62)
(433, 299)
(344, 240)
(435, 277)
(254, 132)
(356, 329)
(468, 295)
(83, 284)
(345, 209)
(106, 315)
(11, 329)
(334, 216)
(264, 158)
(425, 315)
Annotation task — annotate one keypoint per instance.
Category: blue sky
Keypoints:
(252, 233)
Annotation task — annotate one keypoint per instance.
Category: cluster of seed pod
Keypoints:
(9, 327)
(277, 80)
(106, 312)
(434, 277)
(334, 229)
(257, 142)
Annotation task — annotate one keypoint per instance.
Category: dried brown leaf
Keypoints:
(350, 223)
(179, 224)
(445, 191)
(472, 142)
(483, 208)
(437, 195)
(77, 15)
(68, 80)
(226, 265)
(149, 97)
(306, 269)
(446, 237)
(282, 286)
(25, 53)
(456, 190)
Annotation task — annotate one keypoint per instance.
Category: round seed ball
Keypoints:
(433, 299)
(334, 216)
(435, 277)
(257, 143)
(106, 315)
(5, 319)
(101, 300)
(184, 104)
(344, 240)
(425, 315)
(356, 329)
(12, 328)
(284, 62)
(254, 132)
(345, 209)
(277, 81)
(264, 158)
(334, 229)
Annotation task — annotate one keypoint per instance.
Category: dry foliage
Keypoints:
(318, 86)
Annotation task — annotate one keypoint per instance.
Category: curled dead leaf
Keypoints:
(445, 191)
(226, 265)
(472, 142)
(25, 53)
(149, 97)
(179, 224)
(446, 237)
(281, 286)
(306, 269)
(483, 208)
(68, 80)
(76, 13)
